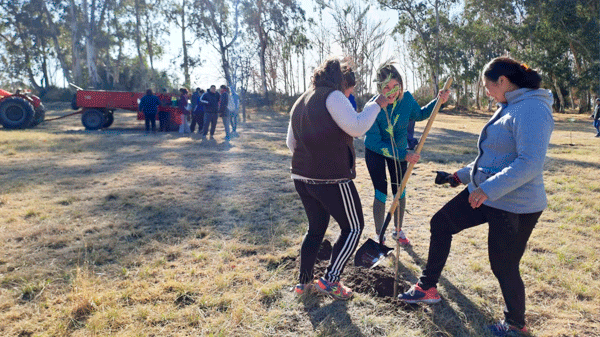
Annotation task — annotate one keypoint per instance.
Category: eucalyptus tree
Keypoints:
(26, 37)
(152, 30)
(362, 39)
(268, 17)
(178, 12)
(94, 13)
(422, 18)
(217, 23)
(562, 36)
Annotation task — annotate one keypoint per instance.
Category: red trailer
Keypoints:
(98, 107)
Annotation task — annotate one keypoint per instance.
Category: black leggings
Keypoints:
(321, 201)
(507, 239)
(376, 166)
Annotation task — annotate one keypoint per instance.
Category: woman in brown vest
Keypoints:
(320, 136)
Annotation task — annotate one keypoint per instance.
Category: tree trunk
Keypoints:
(76, 62)
(90, 48)
(477, 96)
(458, 94)
(561, 100)
(466, 94)
(54, 32)
(572, 98)
(304, 68)
(263, 65)
(46, 80)
(138, 40)
(437, 49)
(186, 64)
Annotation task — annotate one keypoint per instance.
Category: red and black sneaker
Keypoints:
(416, 294)
(503, 329)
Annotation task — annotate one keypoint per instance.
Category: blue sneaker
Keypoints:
(302, 288)
(502, 329)
(416, 294)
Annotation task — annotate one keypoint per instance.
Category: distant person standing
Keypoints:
(149, 106)
(184, 112)
(223, 110)
(197, 111)
(234, 104)
(163, 115)
(210, 100)
(596, 117)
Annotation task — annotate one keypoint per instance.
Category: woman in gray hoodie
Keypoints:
(505, 188)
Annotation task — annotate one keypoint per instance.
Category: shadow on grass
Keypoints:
(445, 317)
(331, 319)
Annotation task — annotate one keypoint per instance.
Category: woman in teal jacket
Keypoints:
(386, 142)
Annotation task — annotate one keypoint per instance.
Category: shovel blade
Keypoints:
(370, 254)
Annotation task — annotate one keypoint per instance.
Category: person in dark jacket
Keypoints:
(197, 111)
(320, 136)
(210, 100)
(223, 110)
(596, 117)
(149, 106)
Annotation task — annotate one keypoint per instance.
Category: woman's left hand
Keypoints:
(477, 197)
(443, 95)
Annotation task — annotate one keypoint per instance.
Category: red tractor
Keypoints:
(20, 110)
(98, 107)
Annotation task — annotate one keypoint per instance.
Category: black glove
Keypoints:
(445, 177)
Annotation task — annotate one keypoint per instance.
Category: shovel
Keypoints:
(372, 253)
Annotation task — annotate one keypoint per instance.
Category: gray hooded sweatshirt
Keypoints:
(512, 150)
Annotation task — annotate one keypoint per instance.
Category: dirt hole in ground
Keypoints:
(378, 281)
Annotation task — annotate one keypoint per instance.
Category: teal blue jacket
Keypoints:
(378, 138)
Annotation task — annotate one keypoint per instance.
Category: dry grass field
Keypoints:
(123, 233)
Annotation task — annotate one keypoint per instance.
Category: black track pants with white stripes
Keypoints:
(322, 201)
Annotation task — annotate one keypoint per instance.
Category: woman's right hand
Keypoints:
(413, 157)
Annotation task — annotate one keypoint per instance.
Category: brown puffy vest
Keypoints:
(323, 150)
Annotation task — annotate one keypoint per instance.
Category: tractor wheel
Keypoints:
(109, 119)
(16, 113)
(93, 119)
(40, 115)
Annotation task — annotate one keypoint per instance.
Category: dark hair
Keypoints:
(329, 74)
(349, 76)
(183, 91)
(388, 71)
(517, 73)
(149, 92)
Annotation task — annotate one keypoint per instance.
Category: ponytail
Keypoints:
(517, 73)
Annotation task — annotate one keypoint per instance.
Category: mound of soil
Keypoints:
(378, 281)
